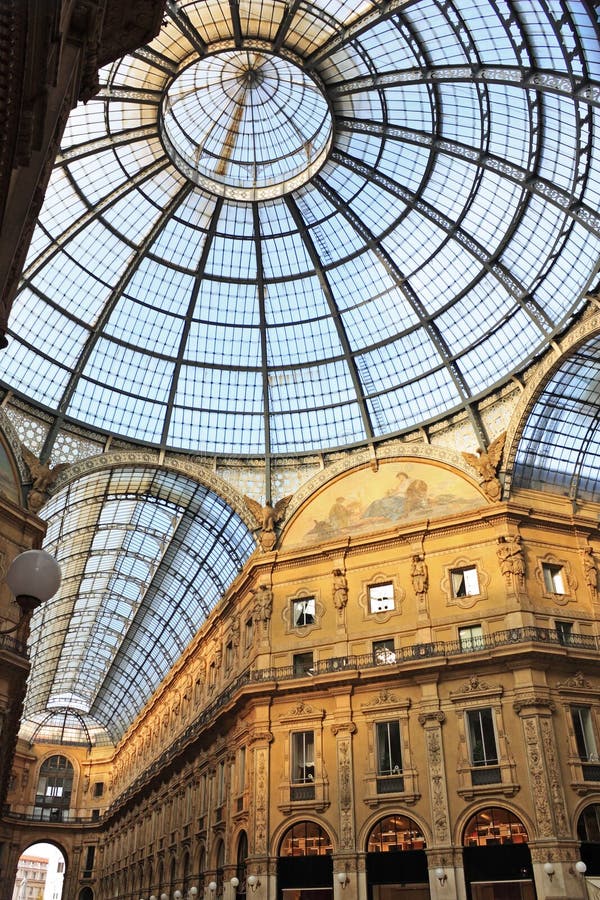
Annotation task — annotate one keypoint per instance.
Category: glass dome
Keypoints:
(283, 228)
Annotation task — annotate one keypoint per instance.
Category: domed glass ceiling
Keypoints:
(287, 227)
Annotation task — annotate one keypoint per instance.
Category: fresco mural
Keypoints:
(398, 493)
(8, 483)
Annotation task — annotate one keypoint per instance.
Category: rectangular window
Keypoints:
(89, 858)
(389, 752)
(248, 632)
(465, 582)
(98, 788)
(303, 663)
(470, 637)
(554, 581)
(482, 738)
(381, 597)
(564, 631)
(241, 770)
(228, 655)
(220, 783)
(383, 652)
(303, 757)
(584, 733)
(303, 612)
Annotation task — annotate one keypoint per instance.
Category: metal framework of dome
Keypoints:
(282, 228)
(279, 229)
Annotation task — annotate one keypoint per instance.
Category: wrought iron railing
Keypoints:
(403, 657)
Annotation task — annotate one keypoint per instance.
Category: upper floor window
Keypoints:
(470, 637)
(465, 582)
(303, 663)
(584, 733)
(389, 750)
(229, 655)
(381, 597)
(98, 788)
(554, 579)
(248, 632)
(564, 631)
(384, 652)
(482, 737)
(303, 757)
(303, 611)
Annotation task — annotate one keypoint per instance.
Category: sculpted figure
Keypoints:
(43, 477)
(486, 463)
(267, 517)
(510, 557)
(590, 571)
(340, 589)
(263, 603)
(419, 574)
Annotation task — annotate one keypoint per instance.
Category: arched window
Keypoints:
(395, 833)
(240, 871)
(494, 825)
(305, 839)
(55, 783)
(588, 825)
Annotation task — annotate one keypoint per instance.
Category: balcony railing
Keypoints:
(403, 656)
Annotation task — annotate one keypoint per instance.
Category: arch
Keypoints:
(395, 832)
(496, 851)
(305, 838)
(561, 385)
(395, 852)
(493, 825)
(41, 869)
(54, 788)
(588, 833)
(86, 893)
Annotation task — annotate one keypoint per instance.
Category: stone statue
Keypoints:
(590, 571)
(510, 556)
(43, 477)
(263, 603)
(419, 574)
(268, 517)
(486, 463)
(340, 589)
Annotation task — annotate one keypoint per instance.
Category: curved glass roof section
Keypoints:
(451, 231)
(244, 124)
(559, 449)
(145, 555)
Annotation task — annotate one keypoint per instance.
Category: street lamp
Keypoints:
(34, 576)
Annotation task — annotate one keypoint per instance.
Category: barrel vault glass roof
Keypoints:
(145, 555)
(283, 228)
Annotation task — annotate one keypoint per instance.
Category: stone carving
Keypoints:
(384, 696)
(554, 780)
(43, 477)
(590, 572)
(340, 589)
(263, 603)
(267, 517)
(419, 575)
(345, 791)
(575, 681)
(486, 464)
(512, 561)
(473, 684)
(260, 809)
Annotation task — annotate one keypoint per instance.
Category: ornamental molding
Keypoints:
(186, 466)
(529, 704)
(577, 682)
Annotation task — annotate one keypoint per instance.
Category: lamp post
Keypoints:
(34, 576)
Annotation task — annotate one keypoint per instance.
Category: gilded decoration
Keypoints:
(398, 493)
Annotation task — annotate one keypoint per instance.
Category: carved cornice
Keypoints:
(530, 703)
(433, 718)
